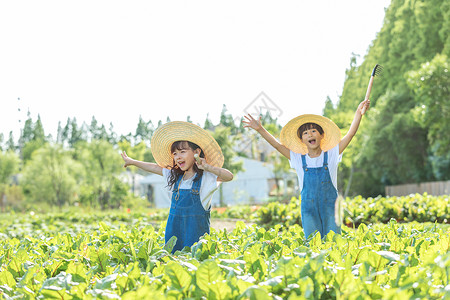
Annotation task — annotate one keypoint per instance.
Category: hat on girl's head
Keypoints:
(289, 137)
(167, 134)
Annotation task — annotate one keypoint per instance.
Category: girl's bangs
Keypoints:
(179, 145)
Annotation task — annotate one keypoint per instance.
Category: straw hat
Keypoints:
(167, 134)
(289, 137)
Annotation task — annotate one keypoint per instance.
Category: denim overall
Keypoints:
(318, 198)
(188, 220)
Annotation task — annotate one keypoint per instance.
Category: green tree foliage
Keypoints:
(280, 163)
(10, 144)
(222, 136)
(148, 155)
(281, 167)
(98, 132)
(431, 85)
(112, 135)
(329, 108)
(27, 132)
(226, 119)
(38, 130)
(33, 137)
(138, 152)
(30, 147)
(102, 166)
(144, 131)
(59, 132)
(51, 176)
(9, 165)
(208, 124)
(402, 138)
(83, 169)
(397, 148)
(72, 133)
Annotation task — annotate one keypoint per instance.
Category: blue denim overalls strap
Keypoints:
(318, 199)
(188, 220)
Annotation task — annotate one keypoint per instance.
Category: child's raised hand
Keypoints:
(363, 106)
(128, 161)
(252, 122)
(200, 161)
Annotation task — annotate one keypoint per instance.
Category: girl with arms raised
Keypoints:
(190, 160)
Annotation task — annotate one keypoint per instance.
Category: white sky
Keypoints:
(117, 60)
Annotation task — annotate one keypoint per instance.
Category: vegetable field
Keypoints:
(121, 256)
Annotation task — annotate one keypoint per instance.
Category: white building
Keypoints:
(252, 185)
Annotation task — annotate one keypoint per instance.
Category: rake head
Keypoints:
(377, 70)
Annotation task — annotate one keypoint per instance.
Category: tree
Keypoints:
(391, 145)
(65, 133)
(27, 132)
(112, 136)
(9, 164)
(59, 134)
(95, 130)
(33, 138)
(144, 131)
(281, 167)
(128, 137)
(72, 133)
(431, 85)
(102, 165)
(396, 151)
(208, 124)
(432, 94)
(222, 137)
(329, 108)
(51, 176)
(38, 130)
(10, 145)
(227, 120)
(30, 147)
(241, 129)
(137, 152)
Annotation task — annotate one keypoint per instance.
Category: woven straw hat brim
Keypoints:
(290, 139)
(167, 134)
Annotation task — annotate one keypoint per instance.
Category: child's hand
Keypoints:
(201, 162)
(252, 123)
(128, 161)
(363, 106)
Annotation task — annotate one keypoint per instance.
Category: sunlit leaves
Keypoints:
(110, 260)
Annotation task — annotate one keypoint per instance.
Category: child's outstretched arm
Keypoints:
(222, 174)
(256, 125)
(354, 127)
(146, 166)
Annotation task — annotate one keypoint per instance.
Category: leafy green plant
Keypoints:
(358, 210)
(92, 256)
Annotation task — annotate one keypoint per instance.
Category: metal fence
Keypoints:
(431, 188)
